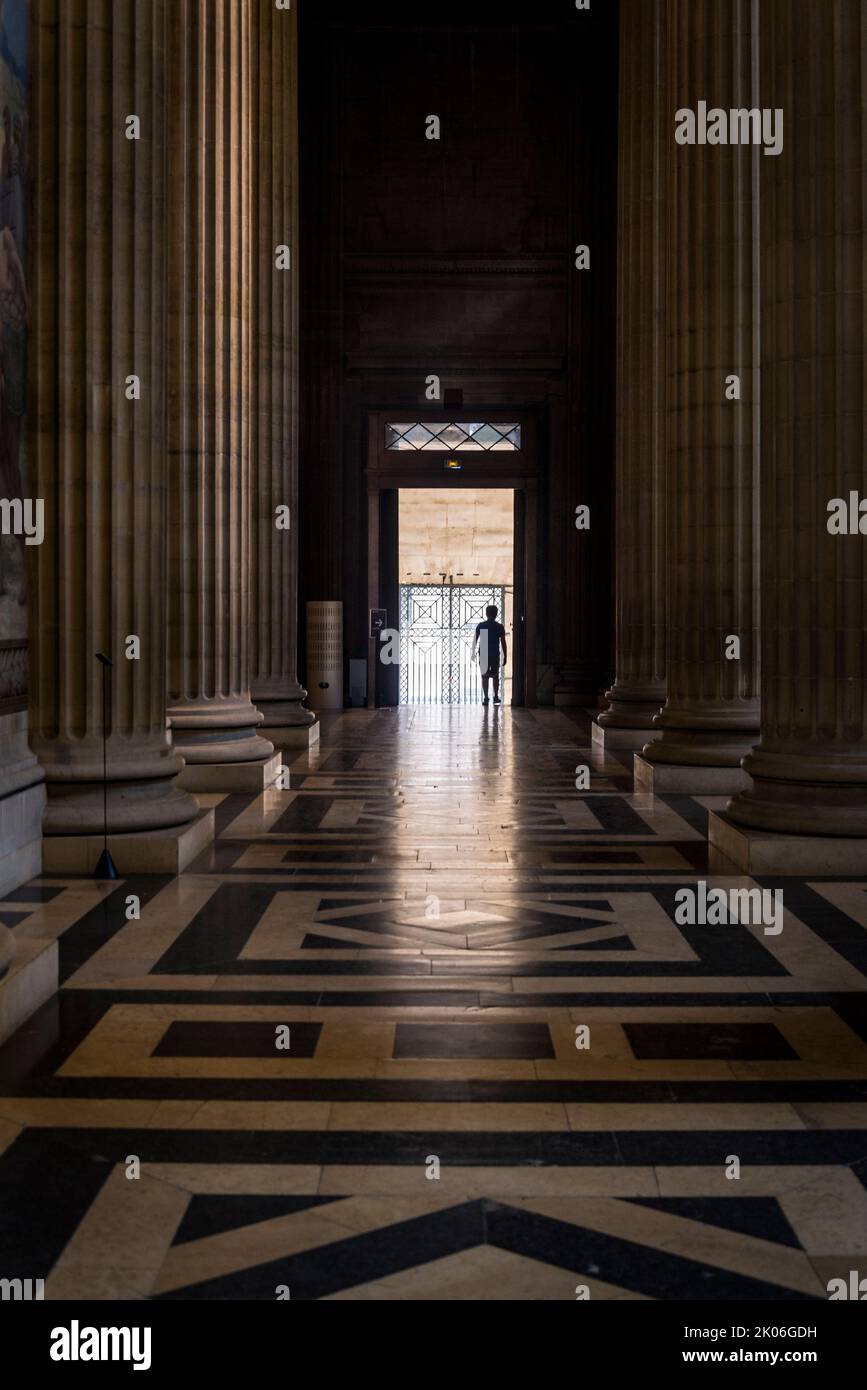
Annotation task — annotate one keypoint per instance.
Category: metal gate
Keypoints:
(437, 627)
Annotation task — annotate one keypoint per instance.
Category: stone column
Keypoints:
(710, 717)
(213, 719)
(645, 131)
(97, 414)
(274, 416)
(808, 775)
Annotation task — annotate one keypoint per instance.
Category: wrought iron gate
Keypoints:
(437, 627)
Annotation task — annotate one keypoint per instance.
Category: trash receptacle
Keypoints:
(325, 655)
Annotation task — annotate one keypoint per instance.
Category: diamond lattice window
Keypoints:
(432, 437)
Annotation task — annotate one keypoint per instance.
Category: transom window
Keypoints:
(447, 437)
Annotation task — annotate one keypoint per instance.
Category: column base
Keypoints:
(145, 808)
(222, 729)
(231, 777)
(32, 978)
(282, 714)
(632, 707)
(293, 735)
(613, 737)
(684, 780)
(166, 851)
(208, 751)
(812, 793)
(280, 701)
(769, 852)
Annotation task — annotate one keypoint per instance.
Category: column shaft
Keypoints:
(639, 687)
(712, 708)
(274, 417)
(97, 454)
(808, 774)
(213, 719)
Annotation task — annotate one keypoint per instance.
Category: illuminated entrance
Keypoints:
(437, 627)
(455, 558)
(452, 530)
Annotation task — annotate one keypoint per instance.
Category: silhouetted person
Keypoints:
(490, 637)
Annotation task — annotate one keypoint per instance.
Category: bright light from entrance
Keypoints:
(456, 557)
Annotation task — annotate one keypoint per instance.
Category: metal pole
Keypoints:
(104, 760)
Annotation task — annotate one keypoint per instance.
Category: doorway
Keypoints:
(455, 559)
(452, 517)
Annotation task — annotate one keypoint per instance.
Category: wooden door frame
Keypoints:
(518, 471)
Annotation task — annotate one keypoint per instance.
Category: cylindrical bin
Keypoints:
(325, 655)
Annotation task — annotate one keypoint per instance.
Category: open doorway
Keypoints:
(456, 557)
(466, 489)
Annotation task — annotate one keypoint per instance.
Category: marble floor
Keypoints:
(423, 1026)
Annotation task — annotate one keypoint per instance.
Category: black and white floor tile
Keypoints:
(424, 1026)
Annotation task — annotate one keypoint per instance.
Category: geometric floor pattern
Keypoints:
(424, 1025)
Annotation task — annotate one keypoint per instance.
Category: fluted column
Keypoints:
(808, 774)
(710, 717)
(274, 576)
(645, 131)
(210, 138)
(97, 442)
